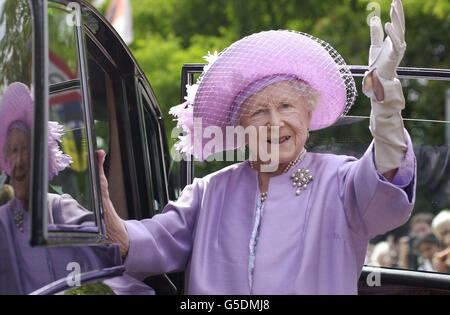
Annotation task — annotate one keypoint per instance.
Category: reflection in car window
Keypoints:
(154, 157)
(104, 97)
(23, 268)
(66, 108)
(34, 267)
(15, 66)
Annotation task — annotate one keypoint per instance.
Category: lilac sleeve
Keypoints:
(163, 243)
(374, 205)
(65, 210)
(407, 169)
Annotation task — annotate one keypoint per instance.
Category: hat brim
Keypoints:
(272, 53)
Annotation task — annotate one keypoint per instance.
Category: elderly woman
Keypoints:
(23, 268)
(303, 226)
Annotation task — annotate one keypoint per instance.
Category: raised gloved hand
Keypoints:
(380, 83)
(385, 56)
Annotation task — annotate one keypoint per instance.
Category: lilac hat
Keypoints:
(16, 111)
(266, 57)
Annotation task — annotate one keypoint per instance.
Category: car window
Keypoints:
(154, 155)
(66, 108)
(106, 97)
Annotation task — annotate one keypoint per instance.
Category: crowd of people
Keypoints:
(426, 246)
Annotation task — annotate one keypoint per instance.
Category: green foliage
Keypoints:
(98, 288)
(62, 37)
(15, 42)
(165, 56)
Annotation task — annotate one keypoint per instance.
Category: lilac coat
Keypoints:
(314, 243)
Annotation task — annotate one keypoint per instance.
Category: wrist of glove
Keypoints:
(386, 125)
(391, 91)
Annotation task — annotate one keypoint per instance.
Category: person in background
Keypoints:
(441, 228)
(441, 261)
(427, 246)
(381, 255)
(420, 225)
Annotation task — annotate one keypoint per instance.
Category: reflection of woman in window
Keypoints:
(35, 267)
(16, 114)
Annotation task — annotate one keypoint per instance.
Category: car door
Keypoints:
(427, 118)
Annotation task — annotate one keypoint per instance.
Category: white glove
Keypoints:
(385, 56)
(386, 123)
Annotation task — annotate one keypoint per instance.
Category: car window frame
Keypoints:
(39, 178)
(40, 235)
(154, 157)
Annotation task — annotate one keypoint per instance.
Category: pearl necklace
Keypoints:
(299, 157)
(295, 161)
(297, 182)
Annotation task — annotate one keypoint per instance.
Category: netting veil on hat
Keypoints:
(16, 111)
(251, 64)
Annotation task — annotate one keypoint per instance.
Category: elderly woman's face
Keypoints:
(279, 105)
(18, 157)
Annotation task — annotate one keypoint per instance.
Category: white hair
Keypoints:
(441, 223)
(382, 248)
(311, 95)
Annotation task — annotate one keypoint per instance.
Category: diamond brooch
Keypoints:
(18, 219)
(300, 179)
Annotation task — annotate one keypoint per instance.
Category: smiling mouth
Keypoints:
(279, 140)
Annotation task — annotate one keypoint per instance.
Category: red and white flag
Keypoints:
(119, 14)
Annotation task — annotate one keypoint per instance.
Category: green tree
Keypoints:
(15, 55)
